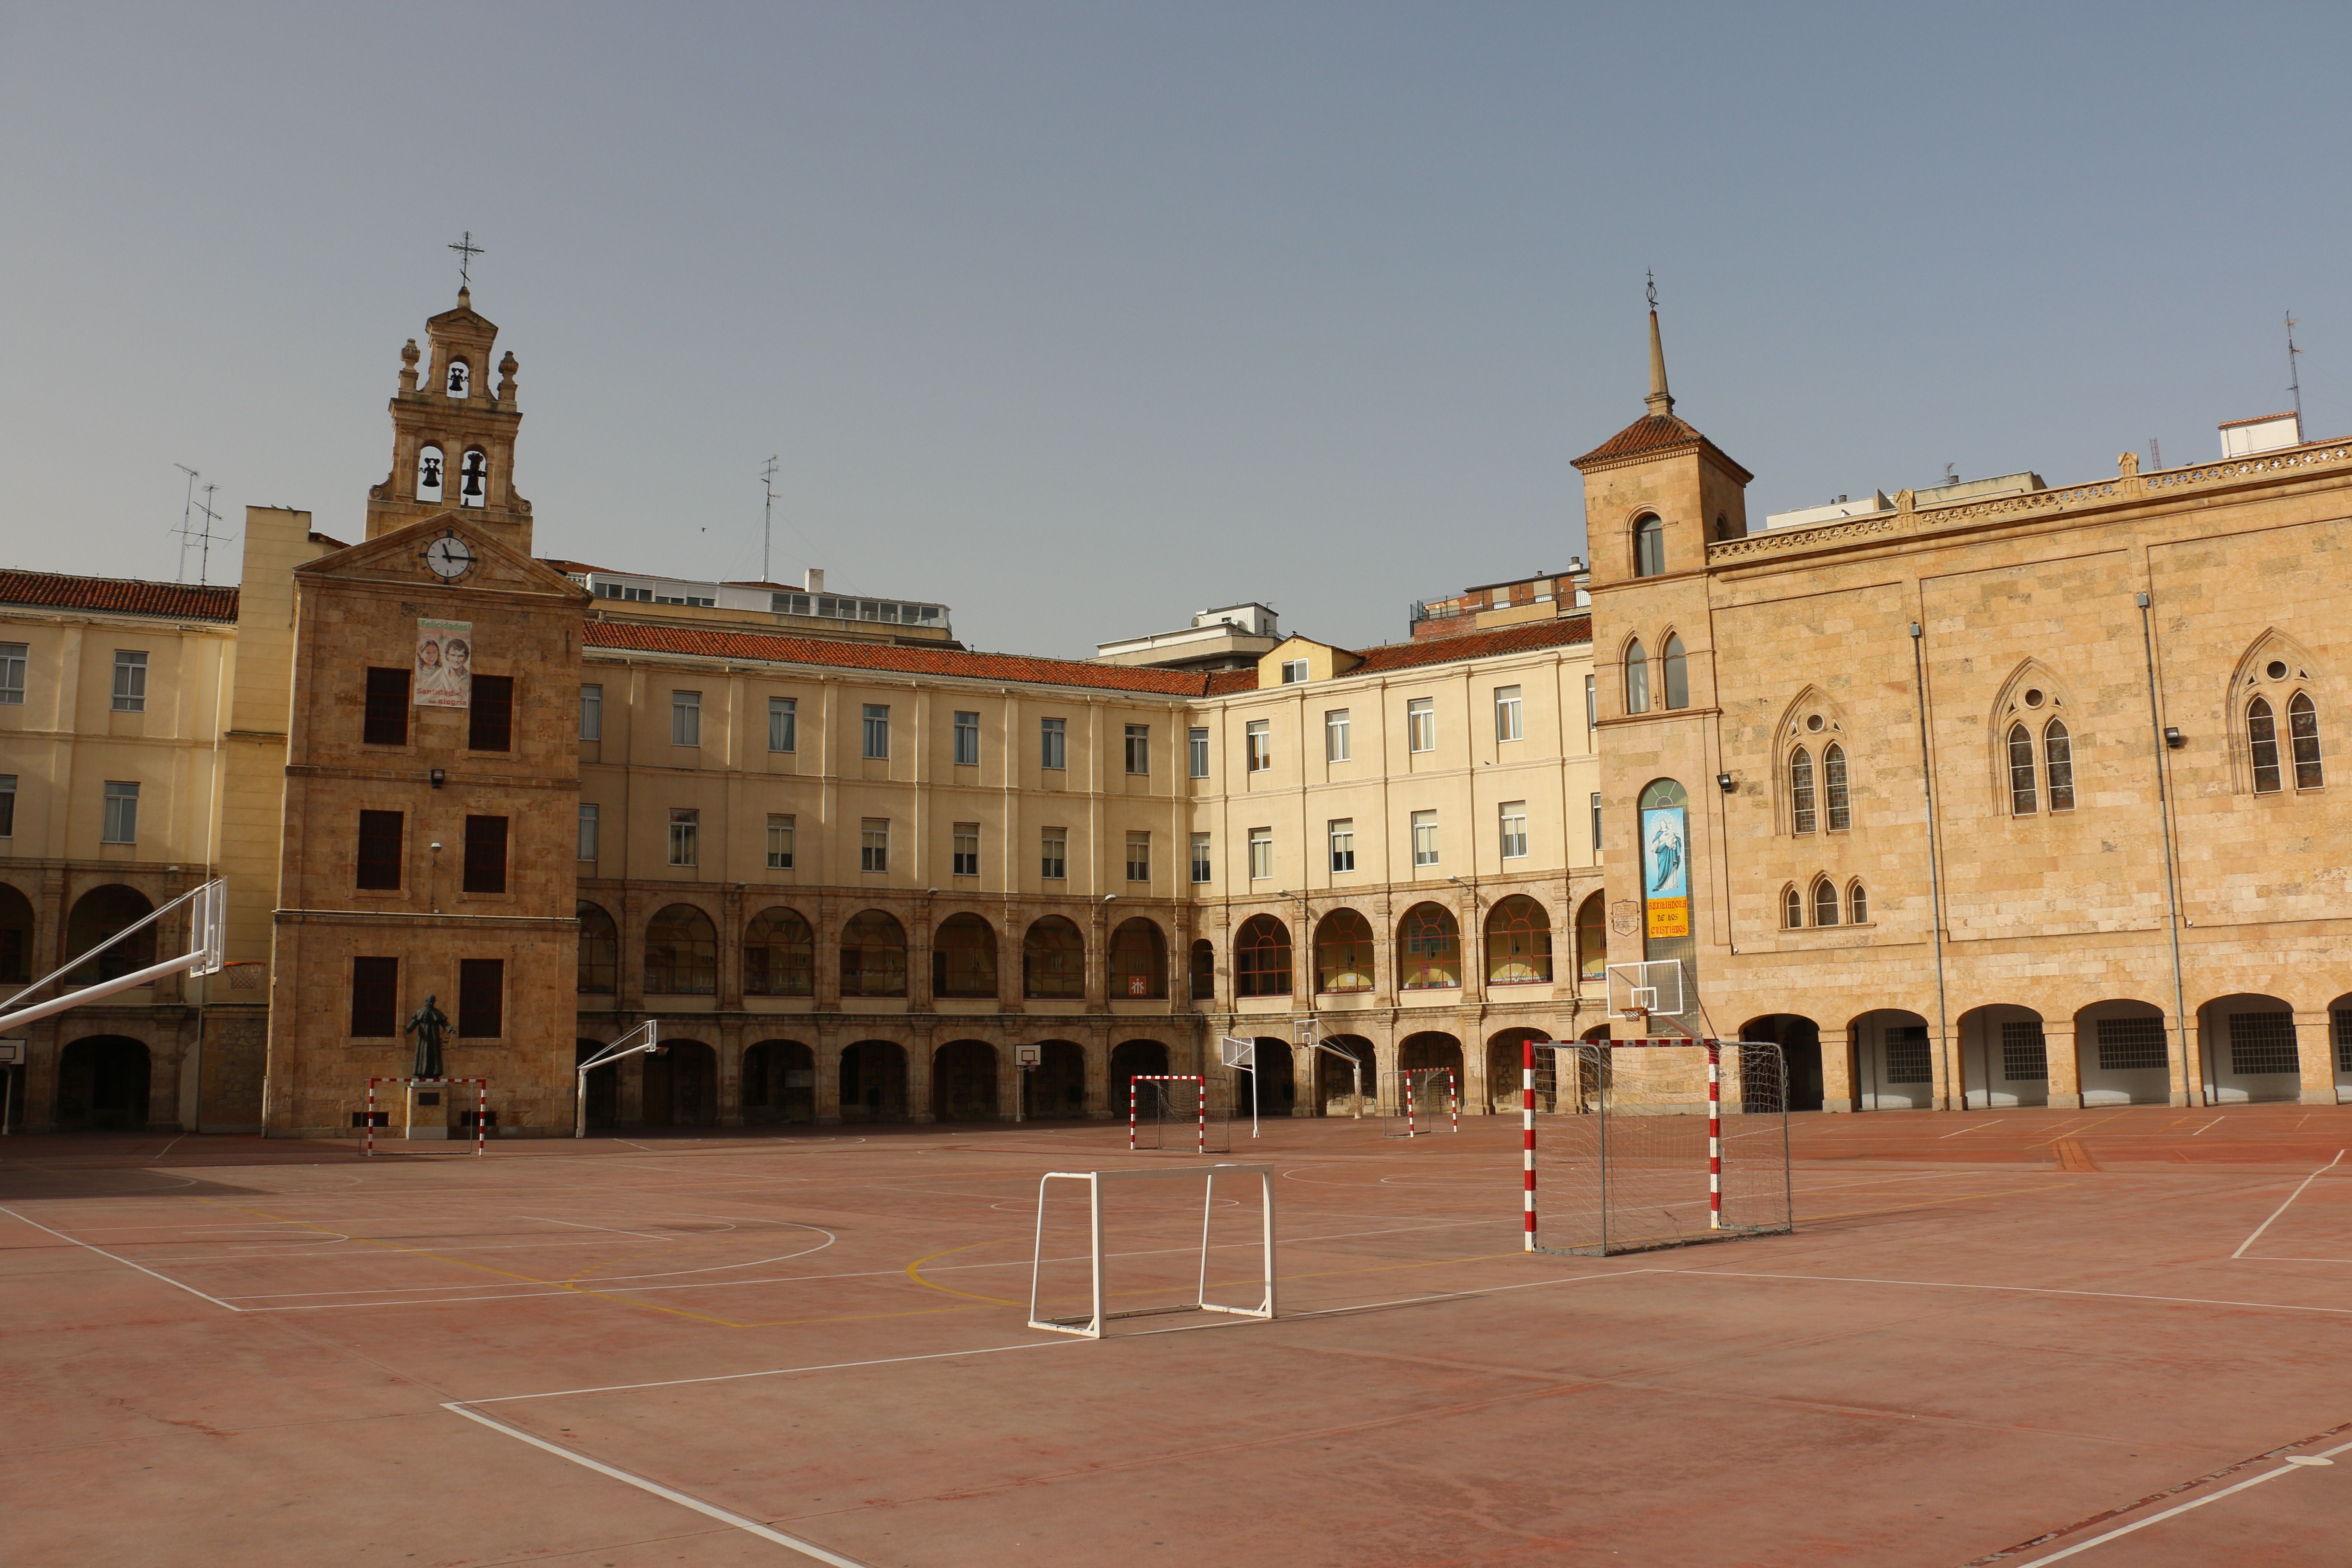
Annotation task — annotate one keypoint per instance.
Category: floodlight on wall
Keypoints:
(1727, 784)
(437, 776)
(2174, 738)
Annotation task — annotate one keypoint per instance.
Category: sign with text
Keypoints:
(1665, 871)
(444, 663)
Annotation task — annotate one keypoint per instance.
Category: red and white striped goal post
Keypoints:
(1714, 1048)
(1194, 1079)
(1453, 1096)
(481, 1107)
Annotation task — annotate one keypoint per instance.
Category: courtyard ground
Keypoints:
(2118, 1337)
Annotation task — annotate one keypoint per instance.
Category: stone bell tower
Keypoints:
(453, 437)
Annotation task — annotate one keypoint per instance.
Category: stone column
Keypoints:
(730, 952)
(629, 1094)
(1098, 1051)
(827, 954)
(825, 1048)
(2191, 1040)
(1837, 1071)
(730, 1046)
(918, 1078)
(919, 957)
(1009, 1079)
(2314, 1047)
(2061, 1046)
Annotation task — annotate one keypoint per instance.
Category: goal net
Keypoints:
(1177, 1245)
(1425, 1099)
(1179, 1110)
(1634, 1144)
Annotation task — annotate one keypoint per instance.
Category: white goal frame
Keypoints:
(1090, 1325)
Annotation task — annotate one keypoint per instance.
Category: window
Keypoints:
(489, 714)
(1139, 857)
(1196, 746)
(1343, 952)
(963, 957)
(1054, 744)
(1424, 839)
(12, 658)
(1335, 735)
(1649, 546)
(872, 955)
(375, 998)
(1262, 958)
(1204, 970)
(2024, 1053)
(1420, 724)
(1139, 748)
(1591, 705)
(967, 739)
(967, 848)
(1509, 721)
(589, 824)
(1826, 903)
(130, 680)
(1515, 829)
(681, 952)
(684, 836)
(2058, 765)
(2022, 793)
(1261, 853)
(685, 718)
(1792, 908)
(877, 729)
(1678, 673)
(8, 805)
(2262, 739)
(600, 950)
(1596, 822)
(1834, 790)
(780, 955)
(874, 844)
(1261, 745)
(1592, 939)
(2303, 727)
(592, 710)
(1802, 808)
(2132, 1045)
(1203, 869)
(783, 723)
(482, 998)
(121, 822)
(486, 855)
(1857, 905)
(1907, 1057)
(379, 859)
(385, 723)
(1052, 959)
(1293, 670)
(780, 841)
(1431, 944)
(1519, 942)
(2263, 1043)
(2342, 1018)
(1054, 854)
(1637, 678)
(1343, 844)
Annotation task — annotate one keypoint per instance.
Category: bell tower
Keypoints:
(453, 437)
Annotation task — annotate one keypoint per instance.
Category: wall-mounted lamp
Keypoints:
(437, 776)
(1727, 784)
(2174, 738)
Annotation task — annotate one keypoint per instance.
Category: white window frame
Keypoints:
(592, 711)
(783, 723)
(1054, 854)
(590, 831)
(1294, 671)
(15, 657)
(1138, 857)
(1596, 822)
(1139, 750)
(782, 825)
(966, 862)
(1341, 834)
(130, 683)
(1054, 744)
(1420, 724)
(1196, 748)
(1424, 839)
(874, 731)
(967, 739)
(684, 836)
(1259, 734)
(1510, 717)
(1205, 865)
(686, 719)
(1261, 854)
(1335, 737)
(1514, 817)
(120, 824)
(874, 845)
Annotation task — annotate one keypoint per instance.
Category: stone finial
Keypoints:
(465, 298)
(507, 368)
(1660, 400)
(408, 358)
(2127, 464)
(1905, 501)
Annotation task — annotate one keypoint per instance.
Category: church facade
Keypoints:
(2019, 801)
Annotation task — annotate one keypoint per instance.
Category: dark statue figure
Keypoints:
(428, 1023)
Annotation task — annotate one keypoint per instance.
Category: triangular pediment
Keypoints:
(400, 557)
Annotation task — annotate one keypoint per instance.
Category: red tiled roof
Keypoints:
(176, 601)
(781, 650)
(1651, 433)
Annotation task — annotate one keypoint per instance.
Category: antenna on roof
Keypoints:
(2293, 379)
(767, 516)
(196, 520)
(2155, 453)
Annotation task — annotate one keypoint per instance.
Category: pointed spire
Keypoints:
(1660, 400)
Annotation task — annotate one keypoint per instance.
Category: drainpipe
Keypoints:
(1934, 873)
(2164, 813)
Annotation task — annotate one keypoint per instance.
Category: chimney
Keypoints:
(813, 583)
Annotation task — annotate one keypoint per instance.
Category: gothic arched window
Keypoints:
(1857, 905)
(2262, 741)
(1678, 673)
(2024, 798)
(1801, 791)
(428, 473)
(1792, 908)
(1649, 546)
(1637, 678)
(1833, 789)
(1825, 902)
(2058, 765)
(2303, 727)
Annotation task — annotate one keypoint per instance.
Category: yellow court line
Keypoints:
(914, 1272)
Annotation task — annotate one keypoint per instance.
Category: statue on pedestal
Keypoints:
(428, 1023)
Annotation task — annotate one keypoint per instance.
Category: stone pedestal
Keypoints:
(428, 1110)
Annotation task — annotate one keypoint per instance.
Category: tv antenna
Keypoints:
(2293, 378)
(466, 251)
(767, 516)
(196, 520)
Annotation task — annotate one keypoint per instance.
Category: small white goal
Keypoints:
(1090, 1324)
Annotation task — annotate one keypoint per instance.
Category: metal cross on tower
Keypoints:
(466, 251)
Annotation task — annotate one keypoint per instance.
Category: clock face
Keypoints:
(448, 556)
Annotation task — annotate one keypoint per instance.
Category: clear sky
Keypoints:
(1080, 317)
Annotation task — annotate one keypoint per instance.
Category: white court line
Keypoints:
(1994, 1123)
(579, 1224)
(2298, 1462)
(2018, 1289)
(2207, 1128)
(748, 1526)
(143, 1268)
(2282, 1209)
